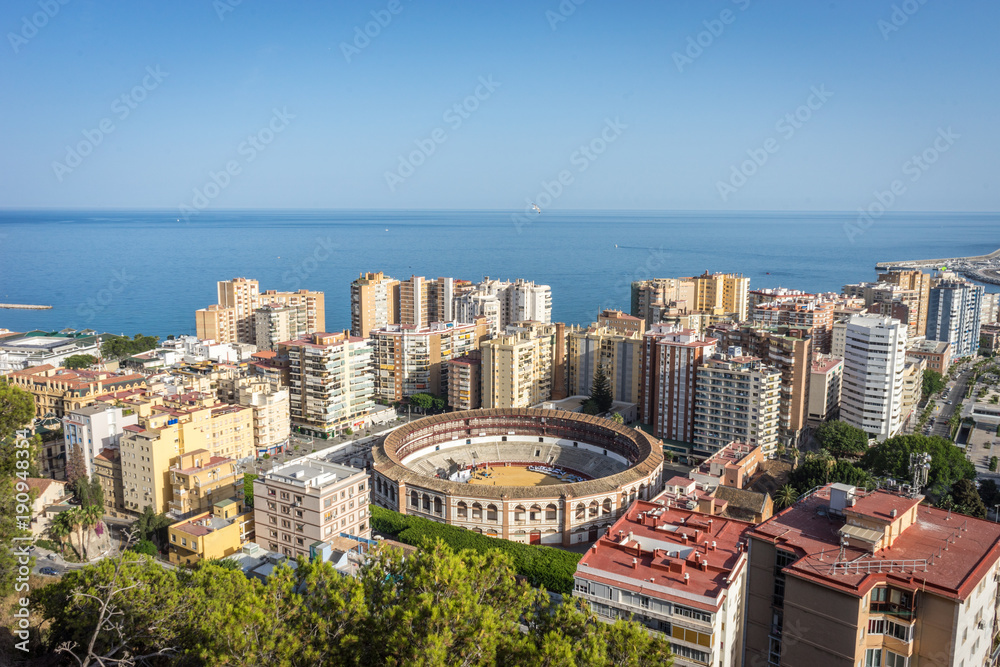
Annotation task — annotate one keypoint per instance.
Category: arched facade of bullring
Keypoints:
(562, 514)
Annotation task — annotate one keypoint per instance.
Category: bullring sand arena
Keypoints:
(527, 475)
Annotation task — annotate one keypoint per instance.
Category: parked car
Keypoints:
(49, 571)
(51, 556)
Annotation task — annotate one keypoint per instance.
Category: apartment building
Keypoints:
(825, 379)
(308, 500)
(618, 350)
(736, 399)
(465, 381)
(94, 428)
(757, 297)
(814, 316)
(953, 315)
(275, 322)
(936, 353)
(845, 578)
(520, 369)
(785, 348)
(622, 323)
(919, 282)
(374, 303)
(681, 574)
(409, 359)
(731, 466)
(108, 471)
(503, 303)
(723, 295)
(330, 381)
(670, 360)
(719, 296)
(56, 391)
(872, 386)
(233, 319)
(913, 386)
(652, 298)
(271, 407)
(423, 302)
(211, 535)
(198, 480)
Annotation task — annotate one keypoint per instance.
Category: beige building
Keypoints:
(199, 479)
(330, 381)
(423, 302)
(108, 471)
(936, 353)
(621, 323)
(374, 303)
(846, 578)
(913, 386)
(233, 318)
(615, 344)
(920, 283)
(811, 315)
(411, 359)
(271, 406)
(824, 388)
(465, 381)
(717, 296)
(519, 369)
(274, 323)
(308, 500)
(736, 399)
(57, 391)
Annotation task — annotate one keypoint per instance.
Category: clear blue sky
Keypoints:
(685, 127)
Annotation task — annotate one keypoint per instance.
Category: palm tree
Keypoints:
(90, 517)
(785, 497)
(60, 528)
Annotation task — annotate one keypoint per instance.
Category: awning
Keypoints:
(864, 534)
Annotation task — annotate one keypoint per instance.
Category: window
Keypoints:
(876, 626)
(895, 660)
(900, 632)
(878, 594)
(773, 651)
(873, 657)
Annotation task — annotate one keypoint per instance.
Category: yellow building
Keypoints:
(722, 294)
(374, 303)
(210, 535)
(618, 350)
(233, 318)
(913, 385)
(519, 369)
(108, 470)
(917, 281)
(198, 479)
(270, 405)
(56, 391)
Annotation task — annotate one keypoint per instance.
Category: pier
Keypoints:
(23, 306)
(947, 261)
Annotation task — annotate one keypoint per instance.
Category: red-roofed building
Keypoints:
(678, 573)
(847, 578)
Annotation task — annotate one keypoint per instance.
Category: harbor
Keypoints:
(981, 268)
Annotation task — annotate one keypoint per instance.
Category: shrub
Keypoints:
(545, 567)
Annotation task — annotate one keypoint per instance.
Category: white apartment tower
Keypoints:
(872, 386)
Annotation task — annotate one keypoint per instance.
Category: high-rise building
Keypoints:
(990, 311)
(374, 303)
(465, 381)
(619, 351)
(94, 428)
(953, 315)
(913, 386)
(330, 381)
(308, 500)
(787, 349)
(890, 298)
(519, 368)
(670, 361)
(872, 389)
(919, 282)
(846, 578)
(814, 316)
(736, 399)
(503, 303)
(233, 319)
(621, 323)
(681, 574)
(271, 407)
(274, 323)
(720, 296)
(824, 388)
(409, 359)
(423, 302)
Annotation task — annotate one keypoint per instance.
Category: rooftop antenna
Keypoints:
(920, 465)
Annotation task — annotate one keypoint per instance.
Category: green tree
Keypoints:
(77, 361)
(967, 499)
(841, 439)
(993, 464)
(76, 468)
(617, 418)
(989, 492)
(119, 347)
(144, 547)
(817, 470)
(785, 496)
(600, 390)
(18, 462)
(933, 383)
(152, 526)
(948, 463)
(248, 479)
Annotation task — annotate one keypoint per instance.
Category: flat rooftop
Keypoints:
(917, 558)
(652, 547)
(312, 472)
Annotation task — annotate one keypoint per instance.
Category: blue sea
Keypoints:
(148, 271)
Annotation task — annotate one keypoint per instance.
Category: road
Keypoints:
(944, 408)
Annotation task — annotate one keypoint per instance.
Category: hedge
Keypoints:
(544, 567)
